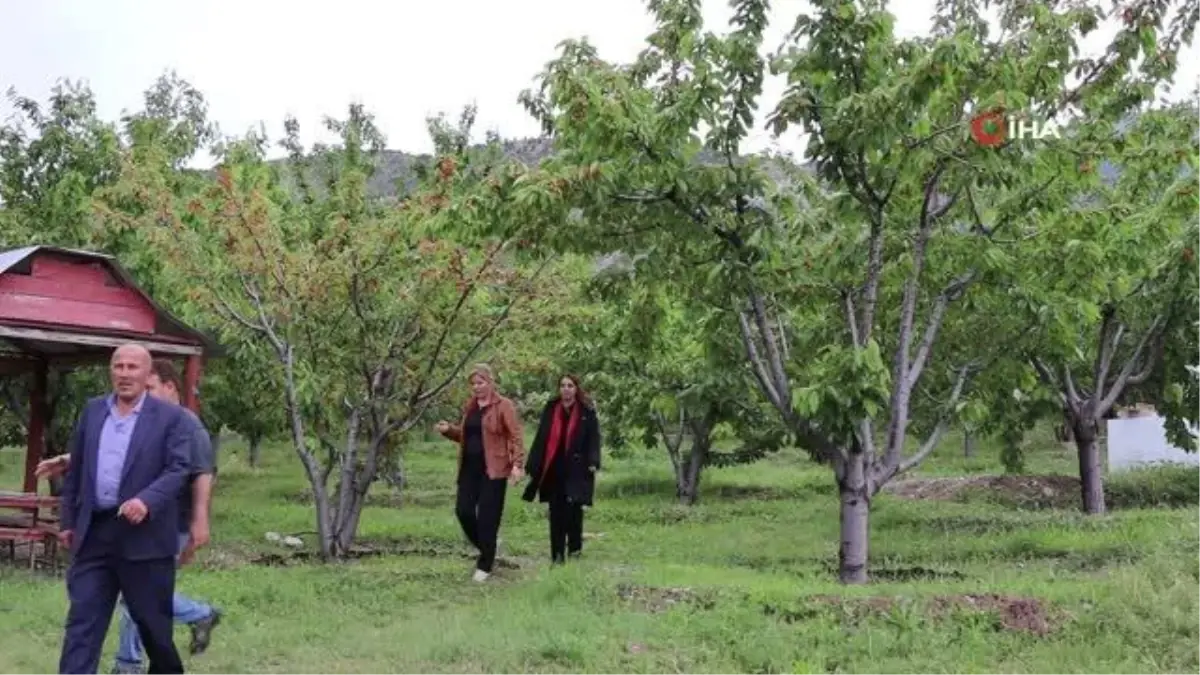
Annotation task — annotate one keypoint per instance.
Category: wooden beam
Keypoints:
(36, 440)
(84, 339)
(191, 383)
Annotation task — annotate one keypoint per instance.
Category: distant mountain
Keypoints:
(396, 172)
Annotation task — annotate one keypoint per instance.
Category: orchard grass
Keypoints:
(742, 582)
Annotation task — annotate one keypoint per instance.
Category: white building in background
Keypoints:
(1140, 440)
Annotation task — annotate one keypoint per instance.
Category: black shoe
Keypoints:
(202, 632)
(575, 555)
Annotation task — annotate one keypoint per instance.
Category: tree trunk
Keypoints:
(685, 491)
(255, 450)
(1091, 477)
(968, 444)
(347, 525)
(1064, 432)
(688, 475)
(312, 471)
(326, 540)
(855, 517)
(324, 517)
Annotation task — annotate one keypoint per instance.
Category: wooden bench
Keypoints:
(29, 526)
(29, 535)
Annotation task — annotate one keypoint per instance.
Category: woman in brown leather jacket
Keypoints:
(563, 462)
(491, 451)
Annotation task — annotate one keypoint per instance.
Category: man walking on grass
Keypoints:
(120, 506)
(164, 384)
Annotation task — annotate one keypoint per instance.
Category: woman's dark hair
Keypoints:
(580, 393)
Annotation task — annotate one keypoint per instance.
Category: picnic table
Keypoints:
(35, 520)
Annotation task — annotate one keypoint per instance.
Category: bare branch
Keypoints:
(784, 347)
(758, 366)
(672, 450)
(1045, 373)
(902, 387)
(226, 309)
(447, 325)
(848, 300)
(1072, 391)
(1105, 350)
(643, 198)
(866, 324)
(420, 396)
(1126, 374)
(682, 428)
(952, 292)
(940, 428)
(866, 438)
(770, 344)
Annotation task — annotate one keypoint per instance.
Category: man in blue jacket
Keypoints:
(130, 458)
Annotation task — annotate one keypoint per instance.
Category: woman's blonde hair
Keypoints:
(482, 370)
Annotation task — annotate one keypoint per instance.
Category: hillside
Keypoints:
(397, 168)
(396, 171)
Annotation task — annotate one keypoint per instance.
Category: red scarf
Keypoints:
(556, 432)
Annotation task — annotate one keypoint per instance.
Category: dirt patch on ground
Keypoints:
(658, 599)
(1018, 614)
(1025, 491)
(1010, 613)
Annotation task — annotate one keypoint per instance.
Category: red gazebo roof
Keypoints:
(61, 304)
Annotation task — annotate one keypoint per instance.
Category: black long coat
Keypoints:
(581, 462)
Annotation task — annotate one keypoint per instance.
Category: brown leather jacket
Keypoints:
(503, 437)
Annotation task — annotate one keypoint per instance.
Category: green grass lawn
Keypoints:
(743, 582)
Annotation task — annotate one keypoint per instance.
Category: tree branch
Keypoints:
(447, 325)
(672, 450)
(902, 387)
(952, 292)
(1072, 391)
(851, 318)
(1105, 350)
(940, 428)
(774, 356)
(759, 367)
(420, 396)
(866, 324)
(1126, 375)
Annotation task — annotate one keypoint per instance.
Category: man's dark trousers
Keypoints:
(97, 575)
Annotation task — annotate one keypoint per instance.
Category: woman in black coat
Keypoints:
(562, 465)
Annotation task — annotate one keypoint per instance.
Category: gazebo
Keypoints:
(61, 308)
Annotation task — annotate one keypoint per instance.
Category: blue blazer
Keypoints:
(155, 471)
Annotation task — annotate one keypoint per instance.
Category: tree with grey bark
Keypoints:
(841, 284)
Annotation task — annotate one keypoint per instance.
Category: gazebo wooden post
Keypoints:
(191, 382)
(36, 442)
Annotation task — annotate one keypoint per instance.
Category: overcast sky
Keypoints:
(260, 60)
